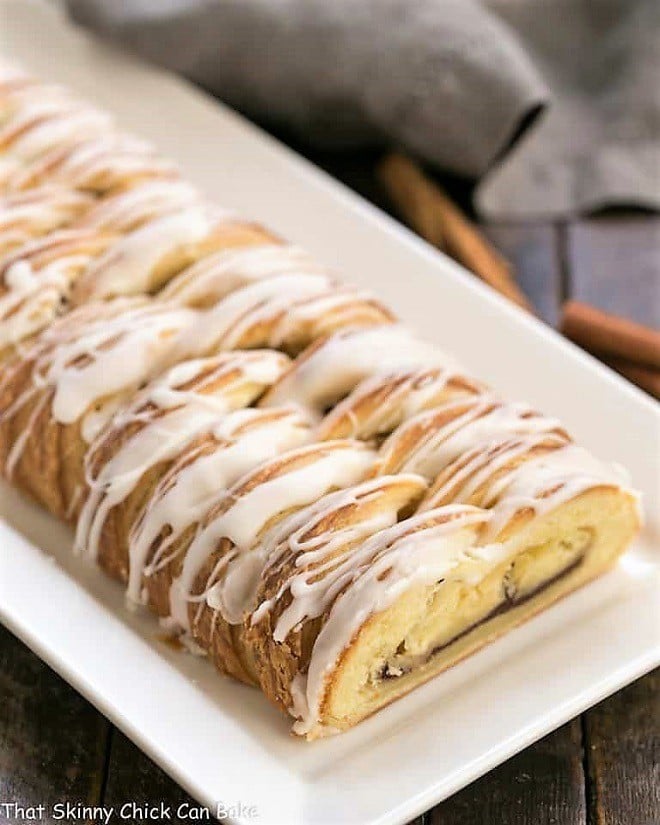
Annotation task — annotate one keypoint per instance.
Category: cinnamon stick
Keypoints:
(645, 378)
(609, 335)
(428, 210)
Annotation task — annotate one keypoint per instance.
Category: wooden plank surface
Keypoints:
(533, 250)
(52, 742)
(614, 263)
(622, 744)
(133, 777)
(543, 785)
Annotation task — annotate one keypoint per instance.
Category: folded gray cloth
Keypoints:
(598, 144)
(456, 82)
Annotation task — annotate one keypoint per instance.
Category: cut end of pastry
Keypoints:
(492, 589)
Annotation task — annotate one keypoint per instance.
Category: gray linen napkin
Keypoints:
(598, 144)
(456, 82)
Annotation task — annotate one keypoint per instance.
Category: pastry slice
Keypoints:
(202, 473)
(36, 279)
(215, 276)
(333, 367)
(58, 392)
(98, 164)
(353, 597)
(381, 402)
(125, 462)
(133, 206)
(38, 119)
(223, 554)
(145, 259)
(350, 615)
(286, 312)
(27, 215)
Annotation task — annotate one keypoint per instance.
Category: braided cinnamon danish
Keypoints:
(328, 507)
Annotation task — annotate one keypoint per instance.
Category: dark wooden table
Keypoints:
(602, 768)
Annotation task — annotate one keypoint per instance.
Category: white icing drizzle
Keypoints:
(37, 120)
(60, 243)
(369, 579)
(11, 76)
(401, 395)
(37, 276)
(171, 415)
(95, 163)
(543, 481)
(484, 420)
(31, 105)
(143, 202)
(41, 129)
(34, 97)
(234, 595)
(121, 155)
(222, 326)
(31, 299)
(215, 276)
(93, 353)
(332, 369)
(547, 481)
(128, 266)
(469, 472)
(341, 306)
(333, 464)
(98, 417)
(25, 214)
(245, 438)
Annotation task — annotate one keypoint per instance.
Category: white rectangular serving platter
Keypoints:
(220, 740)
